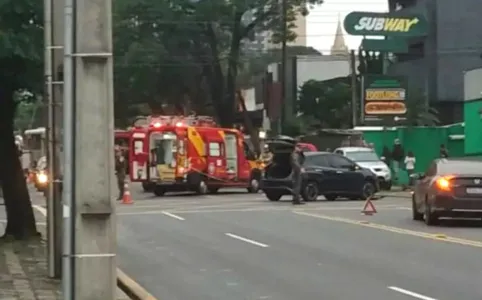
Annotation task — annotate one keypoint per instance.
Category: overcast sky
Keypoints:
(322, 21)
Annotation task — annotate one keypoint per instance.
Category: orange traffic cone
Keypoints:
(126, 198)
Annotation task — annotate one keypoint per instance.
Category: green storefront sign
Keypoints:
(385, 24)
(383, 99)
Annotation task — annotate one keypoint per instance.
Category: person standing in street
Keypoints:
(120, 170)
(267, 156)
(297, 160)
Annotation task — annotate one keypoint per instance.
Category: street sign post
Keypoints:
(383, 99)
(385, 24)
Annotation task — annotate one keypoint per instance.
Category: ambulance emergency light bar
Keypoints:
(159, 121)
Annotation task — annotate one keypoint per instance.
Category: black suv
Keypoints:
(328, 174)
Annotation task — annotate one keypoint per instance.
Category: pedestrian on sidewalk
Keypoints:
(410, 166)
(387, 156)
(398, 155)
(444, 153)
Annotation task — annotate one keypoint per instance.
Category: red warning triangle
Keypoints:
(369, 209)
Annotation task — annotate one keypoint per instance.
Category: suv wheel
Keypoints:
(416, 216)
(202, 187)
(368, 190)
(386, 186)
(253, 185)
(272, 196)
(159, 191)
(147, 186)
(310, 192)
(429, 217)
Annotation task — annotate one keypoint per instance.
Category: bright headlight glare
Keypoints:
(42, 178)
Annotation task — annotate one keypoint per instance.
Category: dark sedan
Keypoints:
(448, 188)
(327, 174)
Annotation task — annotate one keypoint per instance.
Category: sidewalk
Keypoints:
(23, 268)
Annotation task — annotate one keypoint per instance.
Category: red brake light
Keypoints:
(157, 125)
(443, 183)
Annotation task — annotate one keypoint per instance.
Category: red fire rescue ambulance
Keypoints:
(170, 153)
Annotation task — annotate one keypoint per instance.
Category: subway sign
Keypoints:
(385, 24)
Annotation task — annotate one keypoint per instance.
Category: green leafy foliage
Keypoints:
(188, 51)
(255, 65)
(21, 45)
(328, 103)
(21, 48)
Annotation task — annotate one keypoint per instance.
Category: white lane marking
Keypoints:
(172, 215)
(234, 236)
(40, 209)
(410, 293)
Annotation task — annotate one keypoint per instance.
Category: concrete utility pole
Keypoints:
(284, 29)
(354, 91)
(53, 36)
(89, 205)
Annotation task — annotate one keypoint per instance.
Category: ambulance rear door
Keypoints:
(139, 157)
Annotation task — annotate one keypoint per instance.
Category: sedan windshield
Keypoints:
(362, 156)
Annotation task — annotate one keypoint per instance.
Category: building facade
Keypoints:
(435, 64)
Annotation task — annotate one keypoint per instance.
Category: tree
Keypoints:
(28, 113)
(328, 102)
(188, 50)
(256, 64)
(234, 21)
(21, 44)
(153, 65)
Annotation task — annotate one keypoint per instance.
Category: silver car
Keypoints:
(367, 158)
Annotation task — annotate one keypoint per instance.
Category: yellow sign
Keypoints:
(403, 25)
(386, 24)
(385, 108)
(385, 94)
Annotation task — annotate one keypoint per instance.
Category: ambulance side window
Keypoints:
(214, 149)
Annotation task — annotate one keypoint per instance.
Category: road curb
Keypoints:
(132, 289)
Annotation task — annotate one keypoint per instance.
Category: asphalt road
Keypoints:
(239, 246)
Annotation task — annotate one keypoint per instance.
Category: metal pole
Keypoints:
(282, 119)
(93, 153)
(53, 268)
(353, 88)
(69, 131)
